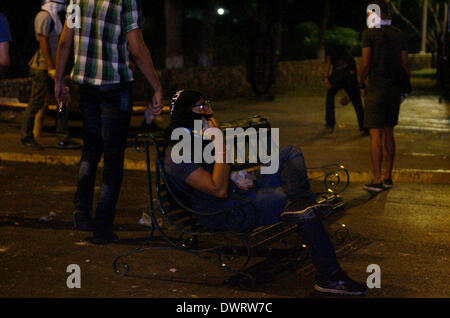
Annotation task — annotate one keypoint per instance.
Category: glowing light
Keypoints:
(220, 11)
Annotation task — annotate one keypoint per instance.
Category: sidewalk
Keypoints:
(423, 136)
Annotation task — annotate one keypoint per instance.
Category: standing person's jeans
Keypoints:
(270, 196)
(106, 111)
(343, 79)
(41, 88)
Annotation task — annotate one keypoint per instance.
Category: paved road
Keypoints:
(405, 231)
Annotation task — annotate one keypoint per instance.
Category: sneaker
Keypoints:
(374, 187)
(340, 284)
(103, 238)
(82, 221)
(387, 183)
(68, 144)
(305, 210)
(31, 143)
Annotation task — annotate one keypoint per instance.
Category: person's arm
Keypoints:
(365, 68)
(45, 50)
(62, 56)
(405, 62)
(215, 184)
(4, 57)
(143, 59)
(365, 64)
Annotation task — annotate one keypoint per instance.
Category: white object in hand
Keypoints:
(242, 179)
(148, 116)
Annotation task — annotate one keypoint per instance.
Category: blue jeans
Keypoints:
(107, 112)
(269, 197)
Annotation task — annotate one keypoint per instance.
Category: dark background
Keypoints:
(231, 30)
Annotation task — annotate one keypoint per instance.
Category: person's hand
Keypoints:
(213, 123)
(62, 93)
(52, 73)
(328, 84)
(157, 105)
(154, 110)
(245, 184)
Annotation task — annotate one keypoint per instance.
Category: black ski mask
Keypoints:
(181, 109)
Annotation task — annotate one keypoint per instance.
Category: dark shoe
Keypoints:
(387, 183)
(374, 187)
(103, 238)
(305, 210)
(68, 144)
(340, 284)
(31, 143)
(82, 221)
(364, 132)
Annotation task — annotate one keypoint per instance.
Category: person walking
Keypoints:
(107, 29)
(48, 26)
(343, 76)
(385, 64)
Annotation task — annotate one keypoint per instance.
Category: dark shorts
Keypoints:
(382, 106)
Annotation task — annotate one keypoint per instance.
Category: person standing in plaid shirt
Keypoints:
(102, 35)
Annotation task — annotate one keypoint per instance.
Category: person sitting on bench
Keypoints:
(283, 196)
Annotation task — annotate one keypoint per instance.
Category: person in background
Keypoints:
(102, 71)
(5, 38)
(384, 60)
(48, 26)
(343, 76)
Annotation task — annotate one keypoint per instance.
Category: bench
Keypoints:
(182, 230)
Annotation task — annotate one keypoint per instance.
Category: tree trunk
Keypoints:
(173, 10)
(206, 58)
(322, 31)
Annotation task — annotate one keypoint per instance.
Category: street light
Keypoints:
(220, 11)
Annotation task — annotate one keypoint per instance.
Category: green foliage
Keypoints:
(344, 37)
(334, 36)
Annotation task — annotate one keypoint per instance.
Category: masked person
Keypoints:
(48, 26)
(5, 38)
(282, 196)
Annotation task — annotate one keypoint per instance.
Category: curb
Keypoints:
(439, 176)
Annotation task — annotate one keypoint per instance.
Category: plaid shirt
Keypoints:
(100, 44)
